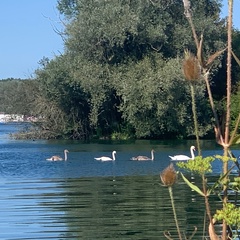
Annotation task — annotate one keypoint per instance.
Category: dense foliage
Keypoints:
(17, 96)
(121, 72)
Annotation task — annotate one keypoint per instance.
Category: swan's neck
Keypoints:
(113, 156)
(152, 154)
(192, 154)
(65, 156)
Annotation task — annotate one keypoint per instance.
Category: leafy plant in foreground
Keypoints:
(169, 177)
(223, 136)
(202, 166)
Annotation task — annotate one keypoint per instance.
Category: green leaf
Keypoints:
(192, 186)
(219, 182)
(236, 140)
(236, 58)
(214, 56)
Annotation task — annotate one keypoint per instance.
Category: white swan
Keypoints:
(184, 157)
(103, 159)
(58, 158)
(144, 158)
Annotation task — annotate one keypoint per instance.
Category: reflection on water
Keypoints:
(131, 207)
(87, 199)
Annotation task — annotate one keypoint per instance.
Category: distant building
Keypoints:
(11, 117)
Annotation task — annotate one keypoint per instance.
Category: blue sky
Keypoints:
(27, 34)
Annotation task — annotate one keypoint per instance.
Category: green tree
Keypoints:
(61, 102)
(17, 96)
(106, 40)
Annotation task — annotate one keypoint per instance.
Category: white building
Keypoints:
(11, 117)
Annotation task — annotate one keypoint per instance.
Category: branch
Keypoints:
(167, 235)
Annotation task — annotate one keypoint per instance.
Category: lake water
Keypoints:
(87, 199)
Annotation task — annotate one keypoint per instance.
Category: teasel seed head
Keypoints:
(191, 67)
(168, 176)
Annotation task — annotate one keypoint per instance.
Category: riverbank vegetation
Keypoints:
(121, 76)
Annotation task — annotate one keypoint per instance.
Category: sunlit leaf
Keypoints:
(214, 56)
(236, 58)
(219, 182)
(236, 140)
(199, 52)
(225, 158)
(192, 186)
(234, 137)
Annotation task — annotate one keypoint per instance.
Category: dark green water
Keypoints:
(86, 199)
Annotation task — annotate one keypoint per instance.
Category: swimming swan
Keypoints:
(58, 158)
(184, 157)
(144, 158)
(103, 159)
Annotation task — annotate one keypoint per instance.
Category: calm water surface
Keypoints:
(86, 199)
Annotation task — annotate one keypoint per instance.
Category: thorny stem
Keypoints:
(187, 12)
(219, 136)
(195, 119)
(228, 107)
(218, 133)
(206, 200)
(212, 234)
(174, 212)
(205, 74)
(229, 65)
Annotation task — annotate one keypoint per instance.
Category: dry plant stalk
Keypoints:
(223, 140)
(168, 177)
(192, 72)
(191, 67)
